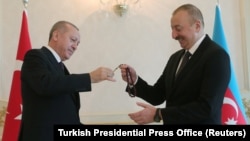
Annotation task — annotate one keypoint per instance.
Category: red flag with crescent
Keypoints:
(14, 107)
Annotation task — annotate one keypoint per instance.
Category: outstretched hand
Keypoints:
(144, 116)
(102, 73)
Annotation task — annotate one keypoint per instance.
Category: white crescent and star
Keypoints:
(234, 105)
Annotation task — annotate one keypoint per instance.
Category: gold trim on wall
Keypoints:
(2, 115)
(246, 103)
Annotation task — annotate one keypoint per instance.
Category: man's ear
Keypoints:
(198, 25)
(55, 35)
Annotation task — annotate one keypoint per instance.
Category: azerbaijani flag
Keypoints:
(233, 111)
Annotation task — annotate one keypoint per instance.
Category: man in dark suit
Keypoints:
(194, 94)
(50, 93)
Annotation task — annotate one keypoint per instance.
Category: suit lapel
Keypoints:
(176, 64)
(53, 61)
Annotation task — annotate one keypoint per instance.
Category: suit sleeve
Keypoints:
(41, 75)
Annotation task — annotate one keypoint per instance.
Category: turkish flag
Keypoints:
(14, 109)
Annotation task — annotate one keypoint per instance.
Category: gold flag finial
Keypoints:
(25, 3)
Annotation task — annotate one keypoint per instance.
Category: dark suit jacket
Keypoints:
(196, 95)
(50, 96)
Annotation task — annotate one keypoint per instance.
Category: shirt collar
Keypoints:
(196, 45)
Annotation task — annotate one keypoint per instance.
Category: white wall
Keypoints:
(142, 39)
(1, 50)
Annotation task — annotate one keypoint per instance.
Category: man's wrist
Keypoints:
(131, 85)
